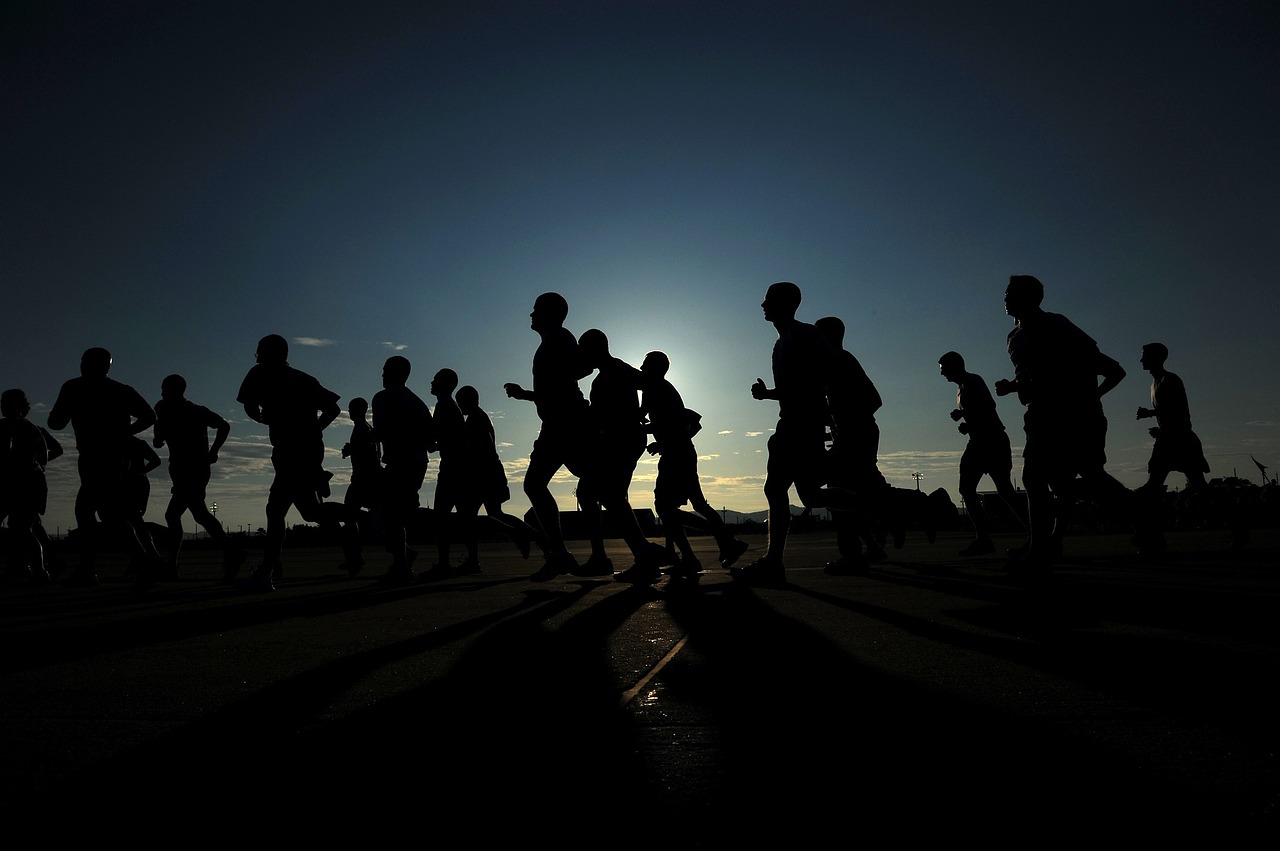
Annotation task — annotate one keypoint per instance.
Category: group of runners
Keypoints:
(824, 445)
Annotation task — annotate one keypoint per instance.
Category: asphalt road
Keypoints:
(935, 698)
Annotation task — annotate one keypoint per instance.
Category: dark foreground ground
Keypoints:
(934, 698)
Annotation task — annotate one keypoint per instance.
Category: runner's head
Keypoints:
(655, 363)
(549, 311)
(273, 350)
(951, 365)
(14, 403)
(781, 301)
(468, 399)
(1024, 293)
(173, 386)
(395, 371)
(833, 329)
(95, 362)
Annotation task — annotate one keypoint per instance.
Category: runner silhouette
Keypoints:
(296, 409)
(184, 427)
(104, 414)
(986, 453)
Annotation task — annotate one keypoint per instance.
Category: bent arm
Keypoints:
(1112, 374)
(144, 416)
(515, 391)
(58, 416)
(328, 413)
(51, 443)
(144, 422)
(221, 432)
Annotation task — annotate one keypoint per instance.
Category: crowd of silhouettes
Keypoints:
(824, 445)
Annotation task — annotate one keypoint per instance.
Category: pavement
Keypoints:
(934, 698)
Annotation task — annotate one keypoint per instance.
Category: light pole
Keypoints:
(917, 477)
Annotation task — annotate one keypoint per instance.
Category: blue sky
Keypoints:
(369, 179)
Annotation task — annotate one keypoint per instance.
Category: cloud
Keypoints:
(901, 468)
(244, 456)
(395, 347)
(516, 468)
(948, 455)
(754, 433)
(313, 341)
(754, 482)
(726, 431)
(744, 493)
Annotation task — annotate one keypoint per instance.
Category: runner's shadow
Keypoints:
(797, 730)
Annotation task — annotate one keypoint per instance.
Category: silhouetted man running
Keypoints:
(484, 482)
(23, 489)
(1177, 447)
(853, 461)
(184, 427)
(618, 440)
(802, 365)
(406, 431)
(987, 452)
(141, 459)
(450, 489)
(565, 433)
(105, 415)
(1056, 370)
(364, 493)
(296, 409)
(673, 427)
